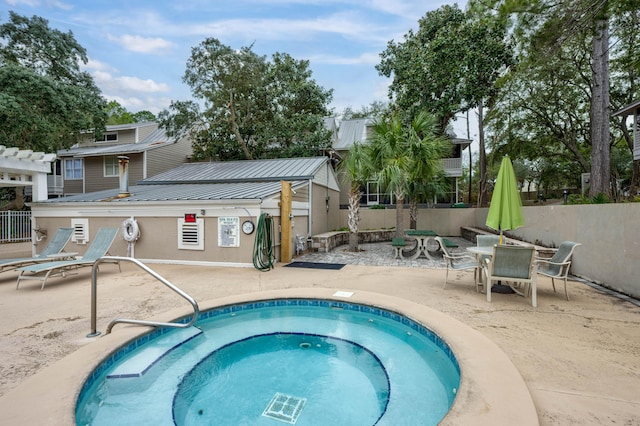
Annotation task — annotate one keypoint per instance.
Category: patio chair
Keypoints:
(458, 262)
(55, 246)
(558, 266)
(98, 248)
(511, 265)
(487, 241)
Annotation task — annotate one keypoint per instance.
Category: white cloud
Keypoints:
(135, 104)
(143, 44)
(96, 65)
(345, 24)
(140, 85)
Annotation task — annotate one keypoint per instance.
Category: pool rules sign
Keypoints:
(228, 232)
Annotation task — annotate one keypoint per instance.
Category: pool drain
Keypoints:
(305, 345)
(284, 408)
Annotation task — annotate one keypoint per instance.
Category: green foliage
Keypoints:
(253, 108)
(377, 207)
(119, 115)
(406, 158)
(376, 109)
(45, 99)
(448, 66)
(599, 198)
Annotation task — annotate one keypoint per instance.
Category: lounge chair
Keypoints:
(513, 264)
(55, 246)
(98, 248)
(458, 262)
(558, 266)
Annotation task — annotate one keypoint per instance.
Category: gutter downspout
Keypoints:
(123, 165)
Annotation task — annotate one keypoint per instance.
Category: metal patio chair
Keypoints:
(558, 266)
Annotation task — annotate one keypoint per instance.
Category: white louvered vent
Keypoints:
(191, 235)
(80, 231)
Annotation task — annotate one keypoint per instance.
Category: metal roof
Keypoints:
(156, 139)
(351, 131)
(627, 110)
(182, 192)
(240, 171)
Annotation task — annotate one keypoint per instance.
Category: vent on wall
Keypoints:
(191, 234)
(80, 231)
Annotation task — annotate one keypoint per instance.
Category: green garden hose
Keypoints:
(263, 255)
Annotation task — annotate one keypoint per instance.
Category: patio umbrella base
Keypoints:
(502, 289)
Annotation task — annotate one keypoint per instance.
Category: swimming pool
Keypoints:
(283, 361)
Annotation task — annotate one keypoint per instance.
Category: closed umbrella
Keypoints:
(505, 211)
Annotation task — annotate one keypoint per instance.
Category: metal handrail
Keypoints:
(94, 297)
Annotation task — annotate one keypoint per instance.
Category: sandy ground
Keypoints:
(579, 358)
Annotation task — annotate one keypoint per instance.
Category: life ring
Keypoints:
(130, 230)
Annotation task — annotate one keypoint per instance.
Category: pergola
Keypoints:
(23, 167)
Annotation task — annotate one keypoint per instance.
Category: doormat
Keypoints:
(315, 265)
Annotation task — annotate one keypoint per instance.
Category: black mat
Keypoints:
(315, 265)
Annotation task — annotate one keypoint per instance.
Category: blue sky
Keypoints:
(138, 49)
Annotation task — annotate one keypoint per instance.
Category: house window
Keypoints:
(191, 234)
(73, 168)
(111, 167)
(108, 137)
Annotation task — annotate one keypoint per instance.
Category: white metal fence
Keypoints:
(15, 226)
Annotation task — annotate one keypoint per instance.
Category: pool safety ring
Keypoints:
(130, 230)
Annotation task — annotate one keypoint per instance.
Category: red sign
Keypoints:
(190, 217)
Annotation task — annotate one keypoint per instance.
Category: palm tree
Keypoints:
(405, 160)
(356, 171)
(427, 178)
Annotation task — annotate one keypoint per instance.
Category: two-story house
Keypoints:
(359, 130)
(92, 164)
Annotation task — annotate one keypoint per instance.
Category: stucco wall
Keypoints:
(609, 234)
(443, 221)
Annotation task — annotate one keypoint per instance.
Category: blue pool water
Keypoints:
(290, 361)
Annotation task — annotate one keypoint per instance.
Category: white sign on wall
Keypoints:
(228, 232)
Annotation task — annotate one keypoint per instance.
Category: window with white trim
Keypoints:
(108, 137)
(73, 168)
(80, 231)
(111, 166)
(191, 234)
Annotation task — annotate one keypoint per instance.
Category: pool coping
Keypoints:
(492, 391)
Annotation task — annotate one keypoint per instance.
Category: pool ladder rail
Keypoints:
(94, 297)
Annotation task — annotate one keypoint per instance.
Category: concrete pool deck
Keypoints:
(579, 359)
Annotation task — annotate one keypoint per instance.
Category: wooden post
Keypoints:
(285, 222)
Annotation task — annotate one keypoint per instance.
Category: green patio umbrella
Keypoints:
(505, 211)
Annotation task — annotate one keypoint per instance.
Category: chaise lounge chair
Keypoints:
(513, 264)
(55, 246)
(558, 266)
(98, 248)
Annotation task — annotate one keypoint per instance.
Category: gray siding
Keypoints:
(94, 173)
(168, 157)
(144, 131)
